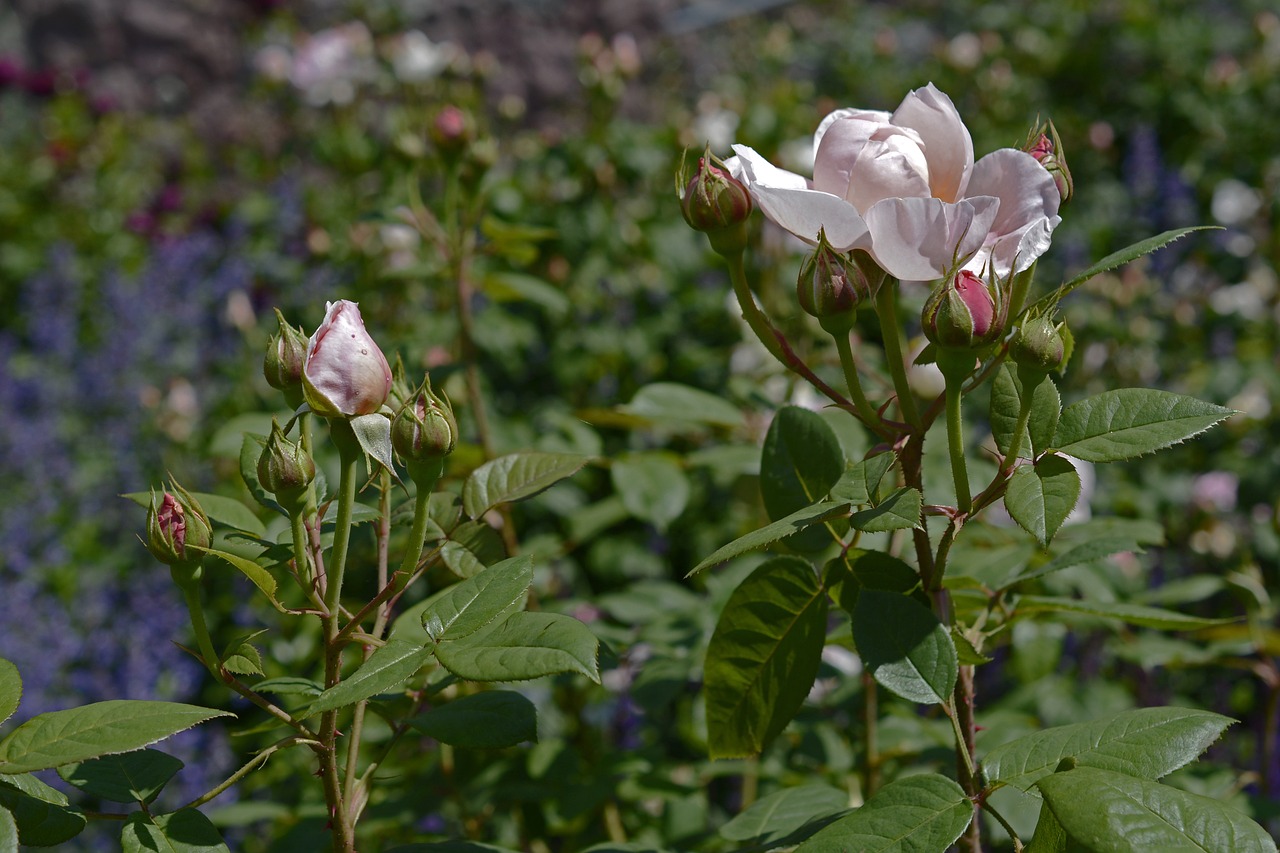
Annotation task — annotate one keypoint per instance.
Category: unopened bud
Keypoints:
(425, 427)
(285, 469)
(964, 313)
(831, 287)
(1047, 149)
(286, 354)
(715, 203)
(452, 130)
(1038, 345)
(177, 525)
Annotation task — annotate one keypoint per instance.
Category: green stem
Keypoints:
(191, 593)
(253, 763)
(870, 718)
(955, 444)
(349, 456)
(887, 311)
(1029, 381)
(865, 410)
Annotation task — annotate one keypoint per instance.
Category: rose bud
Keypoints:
(286, 354)
(1047, 149)
(1038, 345)
(715, 203)
(452, 130)
(345, 374)
(175, 523)
(285, 469)
(425, 428)
(830, 287)
(964, 313)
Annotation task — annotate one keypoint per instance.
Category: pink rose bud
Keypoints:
(452, 130)
(175, 523)
(964, 312)
(345, 374)
(1047, 149)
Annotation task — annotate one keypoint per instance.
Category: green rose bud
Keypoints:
(1038, 345)
(285, 469)
(715, 203)
(831, 287)
(286, 354)
(425, 427)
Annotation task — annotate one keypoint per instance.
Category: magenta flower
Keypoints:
(344, 373)
(905, 188)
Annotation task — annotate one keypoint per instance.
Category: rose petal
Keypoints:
(947, 144)
(873, 116)
(918, 239)
(1029, 203)
(785, 199)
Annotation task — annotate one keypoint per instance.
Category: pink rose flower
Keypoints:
(344, 372)
(905, 188)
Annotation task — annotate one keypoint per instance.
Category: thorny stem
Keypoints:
(253, 763)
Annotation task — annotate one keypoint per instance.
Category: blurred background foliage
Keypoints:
(152, 215)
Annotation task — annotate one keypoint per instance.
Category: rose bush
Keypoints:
(905, 188)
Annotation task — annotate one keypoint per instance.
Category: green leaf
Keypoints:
(1006, 397)
(1148, 742)
(899, 511)
(860, 481)
(466, 607)
(184, 831)
(387, 668)
(8, 832)
(800, 463)
(1041, 496)
(515, 477)
(917, 814)
(770, 819)
(1109, 812)
(289, 686)
(522, 646)
(1130, 422)
(1118, 258)
(847, 575)
(242, 657)
(231, 513)
(780, 529)
(489, 720)
(472, 545)
(671, 402)
(1050, 836)
(41, 813)
(509, 286)
(132, 777)
(905, 648)
(1134, 614)
(451, 847)
(763, 656)
(373, 431)
(260, 577)
(100, 728)
(1086, 552)
(652, 485)
(10, 689)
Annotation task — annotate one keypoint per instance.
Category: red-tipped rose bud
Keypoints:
(285, 469)
(715, 203)
(175, 523)
(1047, 149)
(964, 312)
(425, 428)
(1038, 345)
(286, 354)
(831, 287)
(345, 373)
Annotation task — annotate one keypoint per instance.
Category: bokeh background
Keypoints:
(172, 170)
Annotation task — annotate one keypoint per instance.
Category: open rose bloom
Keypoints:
(905, 188)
